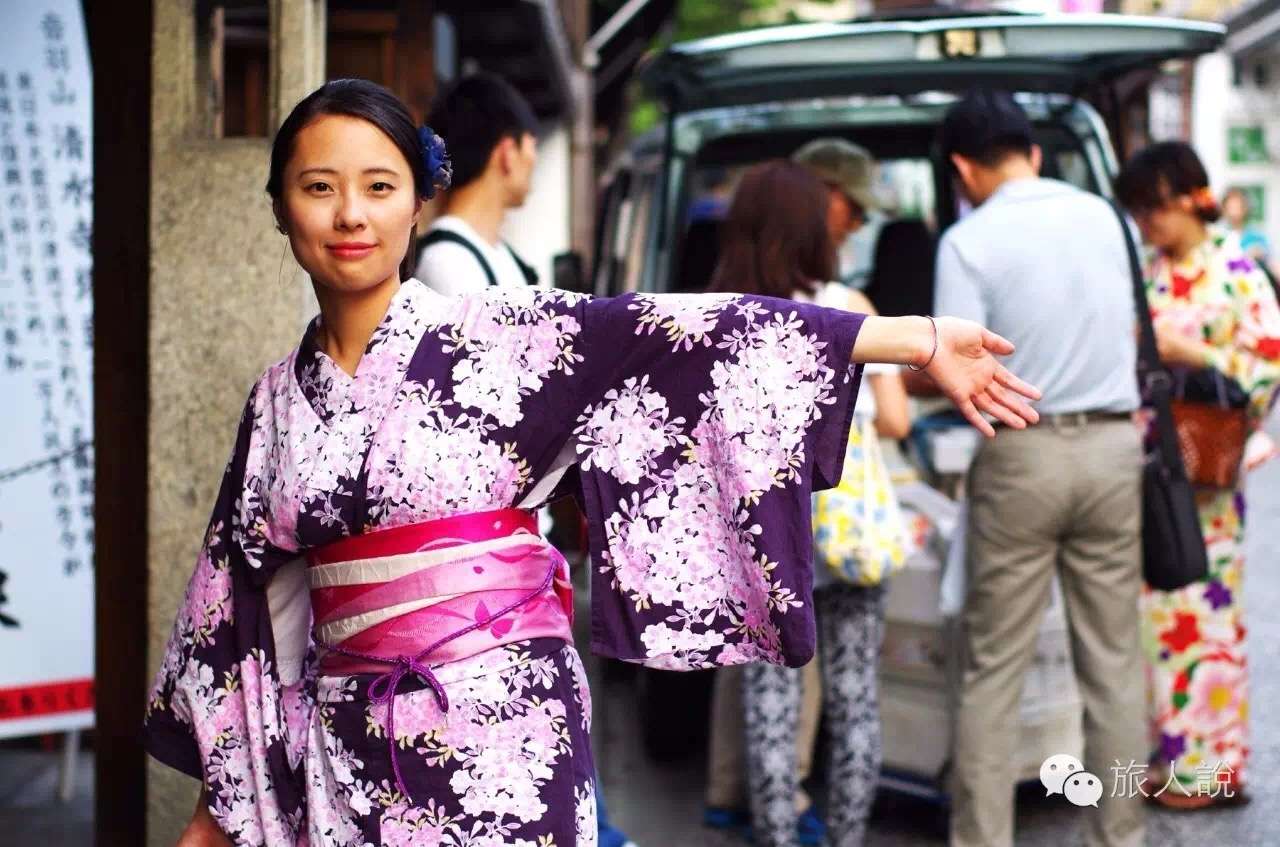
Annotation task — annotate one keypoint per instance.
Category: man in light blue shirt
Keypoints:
(1044, 264)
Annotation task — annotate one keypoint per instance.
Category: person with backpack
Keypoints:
(492, 136)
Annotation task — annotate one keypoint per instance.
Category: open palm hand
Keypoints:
(966, 370)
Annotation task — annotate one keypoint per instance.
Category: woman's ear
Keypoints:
(277, 210)
(417, 212)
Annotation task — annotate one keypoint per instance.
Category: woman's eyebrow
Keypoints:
(366, 171)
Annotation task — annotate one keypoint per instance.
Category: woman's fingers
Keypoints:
(996, 344)
(1013, 402)
(971, 414)
(995, 409)
(1008, 380)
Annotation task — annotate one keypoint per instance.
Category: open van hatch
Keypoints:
(1052, 53)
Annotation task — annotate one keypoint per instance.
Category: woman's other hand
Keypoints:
(1175, 347)
(203, 831)
(965, 369)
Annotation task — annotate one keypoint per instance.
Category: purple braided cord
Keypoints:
(402, 666)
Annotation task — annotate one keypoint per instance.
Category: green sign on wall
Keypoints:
(1246, 145)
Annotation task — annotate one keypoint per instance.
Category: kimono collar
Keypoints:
(307, 459)
(330, 390)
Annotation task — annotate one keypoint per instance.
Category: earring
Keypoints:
(280, 228)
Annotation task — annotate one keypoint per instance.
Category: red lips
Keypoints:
(351, 249)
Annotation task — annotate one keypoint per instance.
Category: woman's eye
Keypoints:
(381, 187)
(318, 187)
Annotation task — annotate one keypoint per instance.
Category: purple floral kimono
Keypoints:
(692, 428)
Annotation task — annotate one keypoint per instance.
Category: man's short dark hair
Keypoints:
(986, 125)
(473, 115)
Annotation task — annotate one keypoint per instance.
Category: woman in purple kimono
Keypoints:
(375, 646)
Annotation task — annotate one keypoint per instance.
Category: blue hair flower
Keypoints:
(435, 158)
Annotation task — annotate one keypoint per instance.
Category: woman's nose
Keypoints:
(350, 214)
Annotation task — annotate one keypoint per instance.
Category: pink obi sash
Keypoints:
(407, 600)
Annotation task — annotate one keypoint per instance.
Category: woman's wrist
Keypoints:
(931, 348)
(895, 341)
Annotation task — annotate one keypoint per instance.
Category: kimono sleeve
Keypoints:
(702, 425)
(217, 710)
(1253, 357)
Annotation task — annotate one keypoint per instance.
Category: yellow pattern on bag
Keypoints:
(858, 530)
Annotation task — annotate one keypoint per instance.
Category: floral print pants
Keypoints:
(850, 631)
(1194, 639)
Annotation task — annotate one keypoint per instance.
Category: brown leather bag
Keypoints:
(1211, 438)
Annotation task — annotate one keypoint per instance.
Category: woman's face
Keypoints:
(348, 204)
(1170, 226)
(1235, 210)
(844, 217)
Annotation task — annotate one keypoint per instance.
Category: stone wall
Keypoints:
(227, 299)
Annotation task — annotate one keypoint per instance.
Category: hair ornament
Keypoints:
(435, 158)
(1204, 199)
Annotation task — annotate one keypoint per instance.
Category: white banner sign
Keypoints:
(46, 378)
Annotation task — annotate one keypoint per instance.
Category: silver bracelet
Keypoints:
(934, 324)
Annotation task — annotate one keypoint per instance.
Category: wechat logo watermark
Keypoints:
(1065, 774)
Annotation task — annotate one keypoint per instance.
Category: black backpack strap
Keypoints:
(446, 236)
(530, 275)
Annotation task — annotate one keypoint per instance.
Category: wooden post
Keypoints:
(120, 49)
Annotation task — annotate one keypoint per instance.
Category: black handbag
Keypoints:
(1173, 551)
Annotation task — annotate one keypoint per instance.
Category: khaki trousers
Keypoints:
(1042, 500)
(727, 759)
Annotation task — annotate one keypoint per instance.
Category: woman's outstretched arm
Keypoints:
(960, 357)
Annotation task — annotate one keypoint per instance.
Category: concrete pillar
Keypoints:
(1211, 98)
(226, 300)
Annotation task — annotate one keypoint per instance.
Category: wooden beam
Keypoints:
(120, 50)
